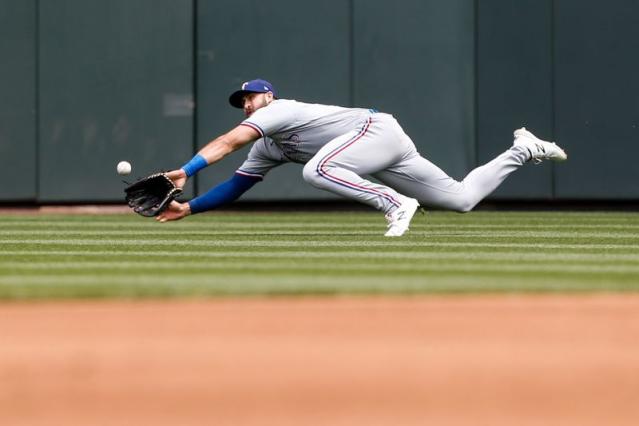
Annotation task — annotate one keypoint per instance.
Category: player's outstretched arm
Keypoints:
(219, 148)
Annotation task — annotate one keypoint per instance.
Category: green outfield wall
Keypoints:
(88, 83)
(18, 133)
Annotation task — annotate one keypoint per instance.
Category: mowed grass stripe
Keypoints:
(312, 264)
(151, 234)
(378, 242)
(344, 252)
(330, 218)
(493, 256)
(211, 226)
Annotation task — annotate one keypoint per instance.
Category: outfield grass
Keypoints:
(44, 256)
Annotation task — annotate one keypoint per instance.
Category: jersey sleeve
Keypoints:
(271, 119)
(263, 156)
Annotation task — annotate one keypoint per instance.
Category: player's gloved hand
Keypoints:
(151, 195)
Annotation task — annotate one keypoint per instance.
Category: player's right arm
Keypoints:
(261, 124)
(214, 151)
(230, 142)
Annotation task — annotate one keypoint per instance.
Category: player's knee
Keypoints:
(464, 206)
(310, 174)
(460, 204)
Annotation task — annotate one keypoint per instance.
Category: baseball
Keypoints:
(124, 168)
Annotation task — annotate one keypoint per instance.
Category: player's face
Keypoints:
(255, 101)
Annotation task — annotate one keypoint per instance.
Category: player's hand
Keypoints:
(178, 177)
(175, 211)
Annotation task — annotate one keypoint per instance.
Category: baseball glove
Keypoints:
(151, 195)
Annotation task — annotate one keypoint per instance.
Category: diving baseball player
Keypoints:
(341, 147)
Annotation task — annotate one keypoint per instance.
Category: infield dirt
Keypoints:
(454, 360)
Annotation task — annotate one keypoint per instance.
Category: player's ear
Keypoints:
(269, 97)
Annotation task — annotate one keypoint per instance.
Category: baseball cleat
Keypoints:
(539, 150)
(399, 219)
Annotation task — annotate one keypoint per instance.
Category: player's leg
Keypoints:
(419, 178)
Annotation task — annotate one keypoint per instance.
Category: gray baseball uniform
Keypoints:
(339, 146)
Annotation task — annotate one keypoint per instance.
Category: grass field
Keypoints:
(66, 256)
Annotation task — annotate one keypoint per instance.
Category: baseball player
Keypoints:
(340, 148)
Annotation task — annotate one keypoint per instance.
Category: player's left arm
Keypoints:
(222, 194)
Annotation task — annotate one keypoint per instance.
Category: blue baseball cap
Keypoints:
(253, 86)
